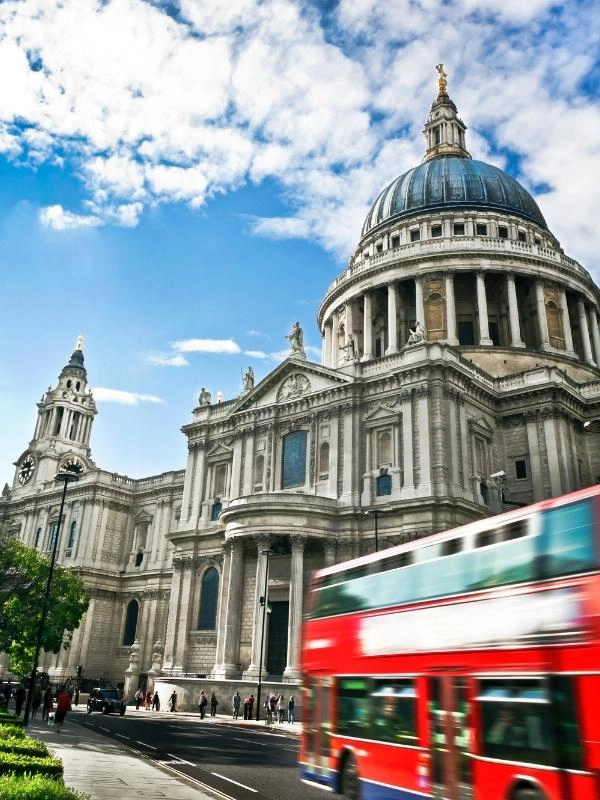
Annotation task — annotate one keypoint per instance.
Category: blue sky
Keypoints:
(203, 174)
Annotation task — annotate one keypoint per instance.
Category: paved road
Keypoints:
(244, 764)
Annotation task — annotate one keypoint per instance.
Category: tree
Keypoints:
(23, 578)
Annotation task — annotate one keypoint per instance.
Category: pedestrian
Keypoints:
(7, 693)
(173, 701)
(63, 704)
(148, 700)
(235, 705)
(213, 705)
(280, 708)
(250, 706)
(272, 705)
(20, 695)
(139, 696)
(291, 704)
(36, 702)
(202, 703)
(246, 701)
(47, 704)
(156, 702)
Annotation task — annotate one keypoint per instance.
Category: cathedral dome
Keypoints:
(452, 182)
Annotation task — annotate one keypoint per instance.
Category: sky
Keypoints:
(181, 181)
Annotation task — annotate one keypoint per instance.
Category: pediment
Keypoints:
(142, 517)
(482, 425)
(220, 450)
(291, 380)
(381, 412)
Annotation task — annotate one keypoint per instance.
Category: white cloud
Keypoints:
(281, 227)
(168, 361)
(56, 217)
(225, 346)
(255, 354)
(103, 395)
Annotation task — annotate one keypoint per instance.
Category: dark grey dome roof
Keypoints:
(452, 182)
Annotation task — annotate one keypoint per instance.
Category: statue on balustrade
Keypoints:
(204, 397)
(417, 334)
(349, 349)
(296, 338)
(249, 379)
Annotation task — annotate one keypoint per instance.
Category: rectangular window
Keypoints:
(379, 247)
(520, 469)
(415, 235)
(384, 485)
(568, 541)
(502, 232)
(395, 241)
(466, 334)
(494, 332)
(293, 466)
(436, 230)
(353, 707)
(521, 236)
(459, 228)
(394, 711)
(537, 240)
(481, 229)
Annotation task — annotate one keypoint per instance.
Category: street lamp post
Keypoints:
(264, 601)
(374, 512)
(65, 478)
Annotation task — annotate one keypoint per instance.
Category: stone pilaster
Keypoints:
(293, 670)
(408, 487)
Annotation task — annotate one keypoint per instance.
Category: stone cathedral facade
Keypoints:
(461, 361)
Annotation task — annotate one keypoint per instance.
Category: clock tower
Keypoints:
(64, 424)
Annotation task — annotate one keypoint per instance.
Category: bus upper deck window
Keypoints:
(451, 547)
(568, 541)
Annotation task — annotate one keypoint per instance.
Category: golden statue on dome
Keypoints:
(442, 82)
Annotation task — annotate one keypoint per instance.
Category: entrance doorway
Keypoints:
(277, 638)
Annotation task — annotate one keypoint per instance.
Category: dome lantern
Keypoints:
(444, 130)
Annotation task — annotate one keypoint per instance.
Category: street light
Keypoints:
(375, 512)
(65, 478)
(264, 602)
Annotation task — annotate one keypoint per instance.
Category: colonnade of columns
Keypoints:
(47, 422)
(588, 321)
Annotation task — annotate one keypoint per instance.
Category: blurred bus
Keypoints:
(463, 666)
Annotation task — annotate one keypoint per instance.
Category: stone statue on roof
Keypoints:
(296, 338)
(442, 82)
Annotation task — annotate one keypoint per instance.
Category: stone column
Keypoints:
(484, 330)
(541, 314)
(293, 671)
(567, 324)
(330, 547)
(419, 307)
(595, 334)
(392, 319)
(334, 340)
(327, 344)
(183, 618)
(513, 312)
(585, 332)
(451, 336)
(257, 628)
(232, 618)
(367, 327)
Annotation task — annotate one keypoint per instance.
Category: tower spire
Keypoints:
(444, 130)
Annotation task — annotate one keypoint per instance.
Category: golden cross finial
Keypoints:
(442, 82)
(79, 345)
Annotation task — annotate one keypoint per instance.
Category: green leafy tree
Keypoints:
(23, 578)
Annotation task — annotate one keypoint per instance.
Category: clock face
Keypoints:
(26, 470)
(72, 464)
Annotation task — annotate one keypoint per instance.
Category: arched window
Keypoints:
(220, 475)
(72, 534)
(58, 422)
(38, 536)
(209, 596)
(131, 618)
(555, 326)
(215, 510)
(384, 485)
(139, 557)
(259, 471)
(384, 448)
(324, 460)
(53, 536)
(293, 461)
(435, 322)
(74, 425)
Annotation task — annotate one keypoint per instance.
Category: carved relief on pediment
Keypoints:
(294, 386)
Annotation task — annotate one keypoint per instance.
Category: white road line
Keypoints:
(120, 735)
(145, 744)
(181, 760)
(237, 783)
(249, 741)
(104, 729)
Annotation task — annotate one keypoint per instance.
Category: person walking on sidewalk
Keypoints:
(235, 705)
(139, 696)
(291, 704)
(173, 701)
(47, 704)
(202, 703)
(250, 706)
(213, 705)
(148, 700)
(20, 695)
(63, 704)
(156, 702)
(36, 702)
(280, 708)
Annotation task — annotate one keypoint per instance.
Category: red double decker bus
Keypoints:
(463, 666)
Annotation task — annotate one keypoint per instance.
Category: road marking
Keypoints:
(249, 741)
(120, 735)
(237, 783)
(137, 741)
(180, 760)
(104, 729)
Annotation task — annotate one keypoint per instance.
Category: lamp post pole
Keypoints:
(375, 514)
(65, 478)
(264, 600)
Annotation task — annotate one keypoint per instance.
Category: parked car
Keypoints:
(105, 700)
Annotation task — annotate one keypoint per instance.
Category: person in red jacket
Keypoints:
(63, 704)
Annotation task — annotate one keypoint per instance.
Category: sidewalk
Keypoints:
(105, 770)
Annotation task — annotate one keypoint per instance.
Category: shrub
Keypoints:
(20, 764)
(36, 787)
(23, 746)
(11, 732)
(8, 718)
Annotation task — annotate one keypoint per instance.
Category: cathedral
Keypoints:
(460, 377)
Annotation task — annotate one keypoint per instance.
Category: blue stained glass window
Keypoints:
(293, 468)
(384, 485)
(209, 596)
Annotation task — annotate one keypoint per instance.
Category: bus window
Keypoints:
(516, 721)
(568, 539)
(393, 711)
(352, 705)
(451, 547)
(568, 743)
(508, 562)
